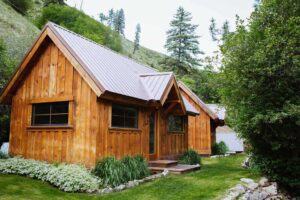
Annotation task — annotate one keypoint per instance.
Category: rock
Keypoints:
(270, 190)
(263, 182)
(131, 184)
(247, 180)
(106, 190)
(238, 189)
(165, 172)
(120, 188)
(246, 163)
(252, 186)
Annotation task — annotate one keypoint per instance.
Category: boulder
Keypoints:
(247, 180)
(270, 190)
(263, 182)
(120, 188)
(252, 186)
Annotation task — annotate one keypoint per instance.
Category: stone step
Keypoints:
(177, 169)
(162, 163)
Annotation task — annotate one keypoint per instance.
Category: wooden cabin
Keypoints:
(75, 101)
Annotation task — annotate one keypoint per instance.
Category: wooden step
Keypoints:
(162, 163)
(177, 169)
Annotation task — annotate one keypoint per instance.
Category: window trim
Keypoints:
(183, 125)
(124, 127)
(63, 125)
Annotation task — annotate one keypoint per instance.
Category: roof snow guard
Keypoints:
(104, 69)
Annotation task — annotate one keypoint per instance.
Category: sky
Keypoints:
(154, 17)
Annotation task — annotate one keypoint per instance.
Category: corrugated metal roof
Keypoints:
(189, 107)
(156, 83)
(115, 72)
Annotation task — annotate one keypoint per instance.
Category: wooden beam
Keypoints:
(173, 101)
(169, 109)
(52, 99)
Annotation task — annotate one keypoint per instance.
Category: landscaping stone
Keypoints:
(263, 182)
(106, 190)
(120, 188)
(247, 180)
(165, 172)
(249, 190)
(252, 186)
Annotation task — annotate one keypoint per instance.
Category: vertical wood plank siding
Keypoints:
(199, 129)
(52, 75)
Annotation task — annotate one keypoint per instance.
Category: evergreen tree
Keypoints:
(48, 2)
(137, 38)
(182, 42)
(102, 17)
(119, 21)
(110, 18)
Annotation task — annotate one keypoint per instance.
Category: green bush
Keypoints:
(111, 171)
(3, 155)
(68, 178)
(80, 23)
(21, 6)
(190, 157)
(114, 172)
(219, 148)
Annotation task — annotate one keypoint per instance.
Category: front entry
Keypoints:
(152, 137)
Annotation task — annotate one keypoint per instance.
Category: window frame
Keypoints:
(183, 120)
(125, 107)
(50, 114)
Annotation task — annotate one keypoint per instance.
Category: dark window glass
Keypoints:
(176, 123)
(50, 113)
(152, 133)
(124, 117)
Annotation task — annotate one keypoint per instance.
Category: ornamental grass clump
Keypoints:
(115, 172)
(190, 157)
(68, 178)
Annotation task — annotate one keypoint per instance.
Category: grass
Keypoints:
(211, 182)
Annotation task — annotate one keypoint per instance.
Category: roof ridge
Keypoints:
(87, 39)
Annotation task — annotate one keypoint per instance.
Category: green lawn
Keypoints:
(216, 176)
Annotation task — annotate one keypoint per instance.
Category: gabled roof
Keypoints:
(103, 69)
(218, 110)
(197, 100)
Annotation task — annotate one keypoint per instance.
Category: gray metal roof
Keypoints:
(156, 83)
(219, 110)
(189, 107)
(115, 72)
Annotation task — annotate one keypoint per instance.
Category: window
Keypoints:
(50, 114)
(124, 117)
(176, 123)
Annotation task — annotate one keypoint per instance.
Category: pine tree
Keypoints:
(110, 18)
(137, 38)
(182, 42)
(102, 17)
(119, 21)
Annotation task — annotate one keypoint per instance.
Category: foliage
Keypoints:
(219, 148)
(135, 168)
(111, 171)
(261, 87)
(182, 43)
(211, 182)
(137, 38)
(80, 23)
(119, 21)
(114, 172)
(3, 155)
(21, 6)
(68, 178)
(190, 157)
(48, 2)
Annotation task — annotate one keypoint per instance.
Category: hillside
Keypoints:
(18, 32)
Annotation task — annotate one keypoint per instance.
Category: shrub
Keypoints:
(3, 155)
(219, 148)
(114, 172)
(111, 171)
(68, 178)
(21, 6)
(80, 23)
(190, 157)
